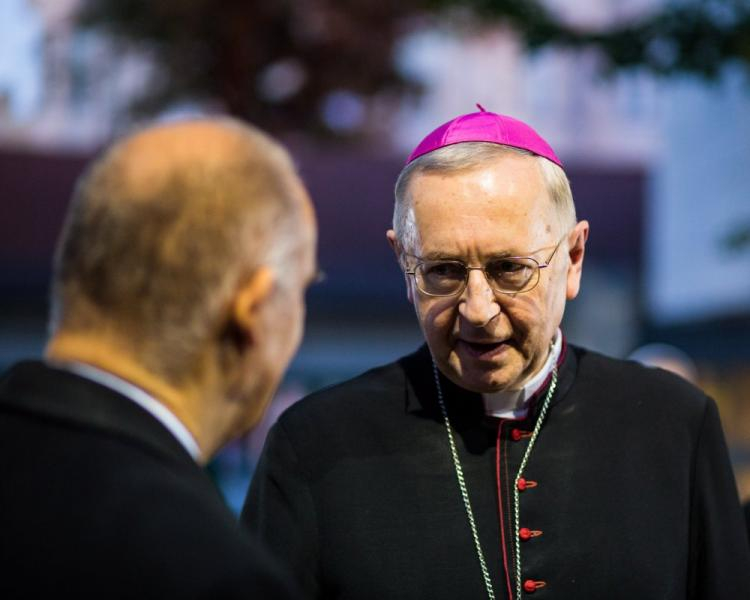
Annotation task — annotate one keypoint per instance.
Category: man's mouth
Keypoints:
(483, 350)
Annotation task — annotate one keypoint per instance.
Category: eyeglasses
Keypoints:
(507, 275)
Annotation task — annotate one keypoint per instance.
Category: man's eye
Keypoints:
(506, 267)
(444, 270)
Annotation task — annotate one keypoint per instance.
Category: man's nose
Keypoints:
(478, 305)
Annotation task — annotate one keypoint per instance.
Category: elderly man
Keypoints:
(498, 461)
(177, 303)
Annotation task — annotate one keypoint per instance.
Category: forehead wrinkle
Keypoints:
(466, 237)
(496, 209)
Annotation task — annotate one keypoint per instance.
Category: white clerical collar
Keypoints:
(160, 412)
(514, 404)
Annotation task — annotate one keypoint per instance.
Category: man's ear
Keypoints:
(395, 246)
(576, 250)
(249, 298)
(399, 252)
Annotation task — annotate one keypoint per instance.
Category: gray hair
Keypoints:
(467, 155)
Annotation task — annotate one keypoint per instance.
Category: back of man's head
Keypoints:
(162, 229)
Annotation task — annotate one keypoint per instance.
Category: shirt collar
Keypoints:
(150, 404)
(514, 404)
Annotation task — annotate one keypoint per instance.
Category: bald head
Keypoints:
(147, 162)
(165, 225)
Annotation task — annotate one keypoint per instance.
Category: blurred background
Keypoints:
(647, 102)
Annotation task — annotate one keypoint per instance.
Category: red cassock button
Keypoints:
(529, 586)
(521, 484)
(515, 433)
(524, 533)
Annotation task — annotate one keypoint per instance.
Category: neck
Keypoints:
(192, 403)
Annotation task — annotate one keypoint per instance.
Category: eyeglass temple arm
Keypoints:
(551, 256)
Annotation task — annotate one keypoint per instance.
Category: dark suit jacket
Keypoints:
(634, 496)
(99, 500)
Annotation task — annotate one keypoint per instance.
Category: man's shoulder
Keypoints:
(146, 517)
(368, 393)
(620, 379)
(384, 379)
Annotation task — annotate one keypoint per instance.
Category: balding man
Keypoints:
(498, 461)
(177, 303)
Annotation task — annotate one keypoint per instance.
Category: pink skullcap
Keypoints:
(485, 126)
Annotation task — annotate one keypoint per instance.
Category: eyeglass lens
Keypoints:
(442, 278)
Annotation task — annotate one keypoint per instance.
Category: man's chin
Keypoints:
(482, 382)
(488, 386)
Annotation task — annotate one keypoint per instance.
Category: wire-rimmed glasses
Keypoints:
(507, 274)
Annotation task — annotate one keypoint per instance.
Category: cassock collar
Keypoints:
(420, 395)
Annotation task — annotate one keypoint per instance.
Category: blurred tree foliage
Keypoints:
(280, 62)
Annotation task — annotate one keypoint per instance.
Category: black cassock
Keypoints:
(630, 494)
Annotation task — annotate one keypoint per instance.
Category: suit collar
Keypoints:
(138, 395)
(35, 388)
